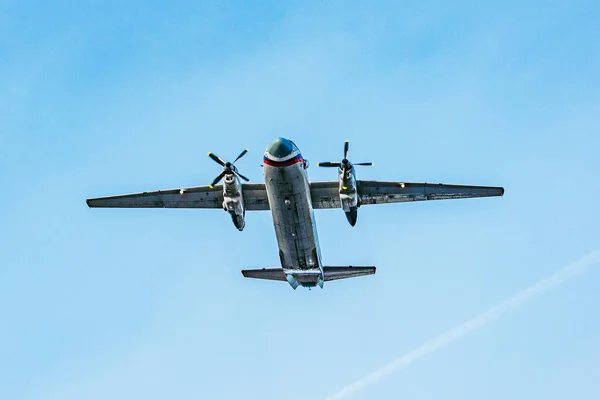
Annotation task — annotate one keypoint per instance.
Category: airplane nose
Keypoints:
(281, 148)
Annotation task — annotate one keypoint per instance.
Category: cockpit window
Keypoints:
(280, 148)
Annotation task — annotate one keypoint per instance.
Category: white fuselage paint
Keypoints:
(288, 191)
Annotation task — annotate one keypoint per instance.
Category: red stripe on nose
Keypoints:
(287, 163)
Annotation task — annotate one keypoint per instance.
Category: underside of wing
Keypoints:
(381, 192)
(254, 195)
(325, 194)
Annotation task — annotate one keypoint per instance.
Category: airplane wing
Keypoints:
(326, 195)
(254, 194)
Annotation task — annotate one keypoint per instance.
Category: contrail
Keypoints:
(552, 281)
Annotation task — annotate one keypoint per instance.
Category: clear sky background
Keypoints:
(105, 98)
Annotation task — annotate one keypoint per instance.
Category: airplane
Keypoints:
(292, 199)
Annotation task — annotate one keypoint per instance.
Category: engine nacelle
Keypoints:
(349, 198)
(233, 201)
(349, 194)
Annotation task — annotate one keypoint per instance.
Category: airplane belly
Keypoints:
(289, 200)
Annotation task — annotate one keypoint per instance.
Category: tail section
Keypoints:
(333, 273)
(308, 278)
(272, 274)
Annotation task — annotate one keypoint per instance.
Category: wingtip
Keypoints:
(88, 203)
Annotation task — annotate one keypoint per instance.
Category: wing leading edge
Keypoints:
(254, 195)
(326, 195)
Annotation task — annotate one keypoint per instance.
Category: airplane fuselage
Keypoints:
(288, 191)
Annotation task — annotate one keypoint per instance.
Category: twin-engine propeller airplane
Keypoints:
(291, 197)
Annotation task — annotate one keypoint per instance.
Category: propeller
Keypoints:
(228, 167)
(345, 164)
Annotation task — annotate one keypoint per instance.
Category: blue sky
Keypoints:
(109, 98)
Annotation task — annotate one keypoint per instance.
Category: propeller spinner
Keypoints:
(345, 164)
(228, 167)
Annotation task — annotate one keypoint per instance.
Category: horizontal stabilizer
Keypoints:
(310, 277)
(333, 273)
(273, 274)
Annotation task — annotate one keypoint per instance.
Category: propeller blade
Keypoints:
(346, 149)
(216, 159)
(218, 178)
(329, 164)
(241, 176)
(368, 164)
(240, 156)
